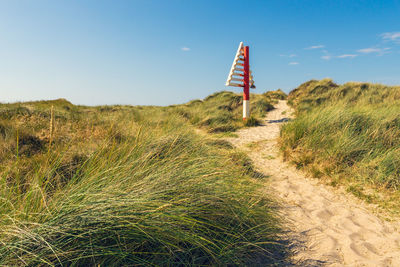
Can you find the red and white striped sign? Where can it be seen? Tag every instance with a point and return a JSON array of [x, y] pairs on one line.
[[241, 76]]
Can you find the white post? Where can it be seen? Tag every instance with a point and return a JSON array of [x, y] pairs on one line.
[[246, 109]]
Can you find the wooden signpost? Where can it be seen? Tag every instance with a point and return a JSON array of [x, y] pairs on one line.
[[240, 76]]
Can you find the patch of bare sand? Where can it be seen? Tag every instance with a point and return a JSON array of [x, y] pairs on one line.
[[328, 226]]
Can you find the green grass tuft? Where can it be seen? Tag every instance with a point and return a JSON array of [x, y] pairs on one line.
[[251, 122]]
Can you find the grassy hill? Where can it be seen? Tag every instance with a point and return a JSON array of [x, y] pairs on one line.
[[349, 133], [123, 185], [222, 111]]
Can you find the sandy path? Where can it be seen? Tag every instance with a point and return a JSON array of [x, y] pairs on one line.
[[335, 228]]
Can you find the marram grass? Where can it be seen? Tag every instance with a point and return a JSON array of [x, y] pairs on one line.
[[126, 185], [349, 132]]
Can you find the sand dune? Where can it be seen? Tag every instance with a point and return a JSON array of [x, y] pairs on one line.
[[328, 227]]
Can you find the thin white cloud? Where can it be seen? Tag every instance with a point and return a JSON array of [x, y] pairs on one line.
[[291, 55], [185, 49], [379, 51], [391, 36], [369, 50], [294, 63], [314, 47], [347, 56], [372, 50], [326, 57]]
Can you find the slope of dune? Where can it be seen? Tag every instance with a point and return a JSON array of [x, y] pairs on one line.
[[328, 227]]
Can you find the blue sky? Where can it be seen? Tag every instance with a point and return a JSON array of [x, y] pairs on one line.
[[165, 52]]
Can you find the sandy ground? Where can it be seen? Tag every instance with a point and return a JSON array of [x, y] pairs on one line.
[[328, 227]]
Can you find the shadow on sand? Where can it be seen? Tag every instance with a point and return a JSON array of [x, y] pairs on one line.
[[279, 121]]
